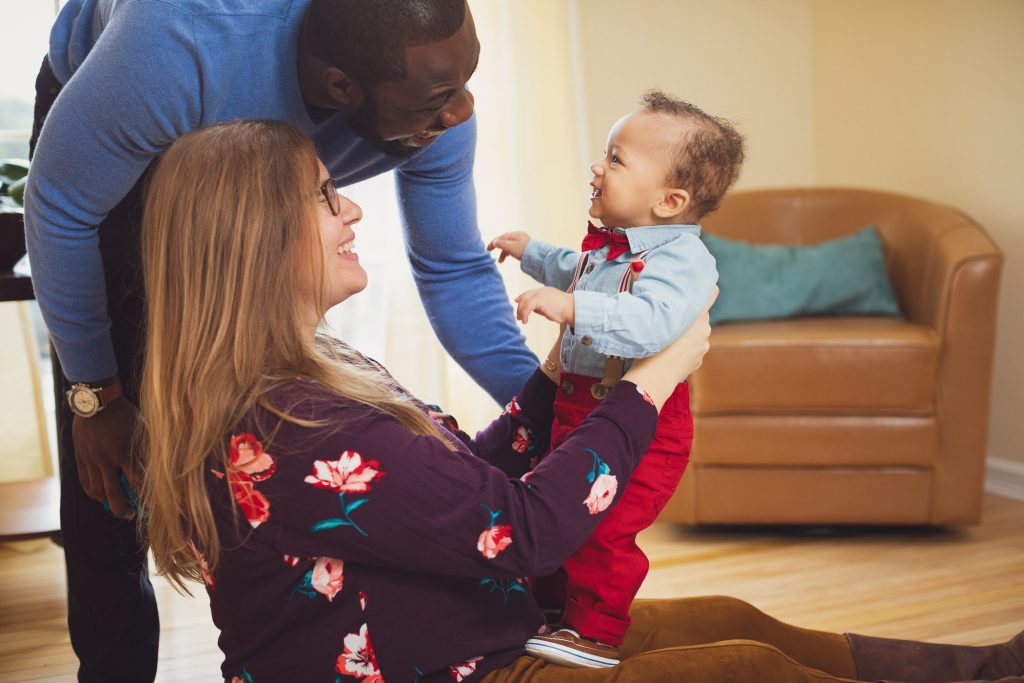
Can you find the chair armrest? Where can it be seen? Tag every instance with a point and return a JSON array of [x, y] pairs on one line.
[[949, 249], [960, 296]]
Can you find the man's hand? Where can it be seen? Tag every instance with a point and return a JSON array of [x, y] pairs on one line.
[[102, 452], [511, 244], [554, 304]]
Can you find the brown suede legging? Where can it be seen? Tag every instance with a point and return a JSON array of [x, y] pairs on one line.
[[704, 640]]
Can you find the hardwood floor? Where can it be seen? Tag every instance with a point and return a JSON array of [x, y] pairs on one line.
[[957, 585]]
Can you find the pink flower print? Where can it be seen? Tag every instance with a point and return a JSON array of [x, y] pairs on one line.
[[358, 659], [493, 540], [526, 476], [254, 504], [247, 463], [521, 444], [496, 537], [644, 394], [291, 560], [204, 568], [347, 474], [601, 494], [462, 669], [247, 456], [512, 408], [362, 601], [443, 419], [328, 577], [602, 485]]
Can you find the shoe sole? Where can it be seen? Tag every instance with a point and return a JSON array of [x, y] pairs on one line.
[[566, 656]]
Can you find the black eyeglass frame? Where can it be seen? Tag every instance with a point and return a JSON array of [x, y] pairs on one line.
[[329, 191]]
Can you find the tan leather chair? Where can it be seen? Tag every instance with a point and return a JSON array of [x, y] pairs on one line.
[[850, 420]]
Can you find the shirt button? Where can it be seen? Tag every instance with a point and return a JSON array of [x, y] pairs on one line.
[[590, 269], [567, 387], [586, 341], [565, 359]]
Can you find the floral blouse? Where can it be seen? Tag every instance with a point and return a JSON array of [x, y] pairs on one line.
[[359, 551]]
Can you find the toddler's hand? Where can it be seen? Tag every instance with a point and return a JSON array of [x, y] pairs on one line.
[[511, 244], [554, 304]]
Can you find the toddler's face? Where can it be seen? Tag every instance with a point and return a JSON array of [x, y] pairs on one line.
[[633, 174]]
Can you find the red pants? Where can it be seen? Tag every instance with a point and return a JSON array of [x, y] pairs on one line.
[[598, 582]]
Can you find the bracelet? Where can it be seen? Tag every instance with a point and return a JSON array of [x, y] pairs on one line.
[[550, 365]]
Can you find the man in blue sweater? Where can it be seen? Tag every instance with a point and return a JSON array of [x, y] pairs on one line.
[[379, 85]]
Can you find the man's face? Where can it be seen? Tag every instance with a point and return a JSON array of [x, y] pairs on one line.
[[400, 117]]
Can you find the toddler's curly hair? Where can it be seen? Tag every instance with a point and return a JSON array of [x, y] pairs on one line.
[[707, 159]]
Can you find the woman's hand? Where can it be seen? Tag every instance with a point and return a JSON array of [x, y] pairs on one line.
[[659, 374]]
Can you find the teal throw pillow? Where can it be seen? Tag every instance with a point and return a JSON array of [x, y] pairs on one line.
[[844, 276]]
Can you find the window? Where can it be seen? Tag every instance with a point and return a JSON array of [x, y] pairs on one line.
[[24, 31]]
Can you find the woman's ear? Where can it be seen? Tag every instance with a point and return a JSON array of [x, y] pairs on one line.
[[343, 90], [675, 202]]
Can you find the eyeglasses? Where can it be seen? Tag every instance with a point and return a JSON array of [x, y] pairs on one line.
[[330, 192]]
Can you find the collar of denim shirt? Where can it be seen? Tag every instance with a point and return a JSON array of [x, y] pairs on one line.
[[646, 237]]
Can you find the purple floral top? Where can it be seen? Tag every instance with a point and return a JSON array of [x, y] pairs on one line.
[[359, 551]]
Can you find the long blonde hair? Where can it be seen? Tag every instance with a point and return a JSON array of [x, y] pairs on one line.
[[229, 234]]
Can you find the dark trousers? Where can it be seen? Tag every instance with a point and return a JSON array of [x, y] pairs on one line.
[[112, 617]]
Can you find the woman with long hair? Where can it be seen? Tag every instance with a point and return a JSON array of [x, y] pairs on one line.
[[346, 531]]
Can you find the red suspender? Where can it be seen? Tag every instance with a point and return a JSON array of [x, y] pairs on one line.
[[613, 365], [580, 265], [626, 283]]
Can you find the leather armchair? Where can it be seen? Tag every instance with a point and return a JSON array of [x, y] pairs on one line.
[[850, 420]]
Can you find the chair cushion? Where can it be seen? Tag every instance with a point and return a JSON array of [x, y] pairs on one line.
[[844, 276], [843, 365]]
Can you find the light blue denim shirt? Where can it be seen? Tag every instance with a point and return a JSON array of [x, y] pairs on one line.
[[670, 293]]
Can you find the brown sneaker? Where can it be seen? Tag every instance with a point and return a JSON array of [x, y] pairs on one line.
[[569, 648]]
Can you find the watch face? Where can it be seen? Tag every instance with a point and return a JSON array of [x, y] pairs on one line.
[[84, 401]]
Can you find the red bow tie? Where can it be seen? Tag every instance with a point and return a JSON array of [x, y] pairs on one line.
[[599, 237]]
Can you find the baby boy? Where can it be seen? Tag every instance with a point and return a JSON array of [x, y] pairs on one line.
[[639, 282]]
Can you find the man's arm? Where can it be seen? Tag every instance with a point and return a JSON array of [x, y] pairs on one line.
[[458, 281], [131, 97]]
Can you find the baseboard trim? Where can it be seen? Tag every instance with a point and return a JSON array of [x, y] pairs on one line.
[[1004, 477]]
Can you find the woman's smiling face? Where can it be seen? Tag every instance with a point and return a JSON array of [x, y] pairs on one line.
[[343, 276]]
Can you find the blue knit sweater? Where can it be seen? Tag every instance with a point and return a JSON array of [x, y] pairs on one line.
[[138, 74]]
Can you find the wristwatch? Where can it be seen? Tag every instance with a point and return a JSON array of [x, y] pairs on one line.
[[86, 401]]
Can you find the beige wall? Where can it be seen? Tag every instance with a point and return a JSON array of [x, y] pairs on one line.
[[927, 97], [746, 60], [920, 96]]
